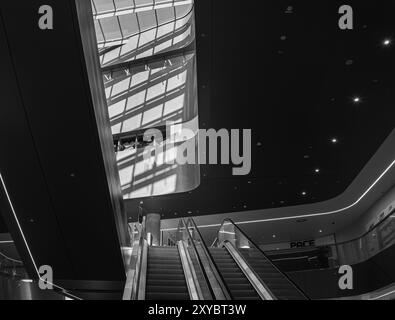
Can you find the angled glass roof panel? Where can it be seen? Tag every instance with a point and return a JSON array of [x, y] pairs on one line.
[[171, 34], [129, 24], [123, 4], [93, 8], [99, 33], [103, 5], [142, 96], [165, 15], [142, 3], [147, 20], [182, 10], [111, 28]]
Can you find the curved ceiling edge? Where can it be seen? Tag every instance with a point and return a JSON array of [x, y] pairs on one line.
[[381, 166]]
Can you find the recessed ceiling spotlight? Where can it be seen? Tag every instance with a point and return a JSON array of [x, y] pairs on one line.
[[357, 100], [304, 193], [274, 236], [334, 140], [317, 170], [387, 42], [320, 231], [289, 10]]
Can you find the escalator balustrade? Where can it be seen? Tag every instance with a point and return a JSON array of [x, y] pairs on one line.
[[234, 268]]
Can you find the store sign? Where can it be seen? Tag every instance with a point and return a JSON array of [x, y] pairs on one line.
[[302, 244]]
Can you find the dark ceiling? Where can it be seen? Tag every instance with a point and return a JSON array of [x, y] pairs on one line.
[[319, 100], [3, 227]]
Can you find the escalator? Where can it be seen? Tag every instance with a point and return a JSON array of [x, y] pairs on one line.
[[234, 268], [164, 272], [239, 286], [165, 275], [275, 281]]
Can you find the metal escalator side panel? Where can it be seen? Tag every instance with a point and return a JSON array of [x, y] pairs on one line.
[[262, 290], [202, 278], [142, 279], [213, 277], [135, 270], [217, 284], [131, 272], [195, 292]]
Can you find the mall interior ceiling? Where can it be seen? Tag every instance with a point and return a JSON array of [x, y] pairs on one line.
[[317, 99]]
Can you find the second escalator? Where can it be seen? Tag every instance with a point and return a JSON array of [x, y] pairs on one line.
[[239, 286]]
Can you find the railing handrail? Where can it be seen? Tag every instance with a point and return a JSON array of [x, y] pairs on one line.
[[197, 257], [222, 282], [7, 258], [136, 279], [365, 234], [263, 253]]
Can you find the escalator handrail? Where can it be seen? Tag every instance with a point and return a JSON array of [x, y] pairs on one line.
[[255, 280], [221, 280], [194, 290], [136, 279], [197, 257], [266, 257]]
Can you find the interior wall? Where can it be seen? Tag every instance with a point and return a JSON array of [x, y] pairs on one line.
[[376, 213]]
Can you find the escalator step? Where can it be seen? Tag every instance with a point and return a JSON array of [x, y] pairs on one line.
[[164, 256], [166, 296], [227, 267], [231, 281], [167, 289], [159, 276], [238, 287], [227, 261], [165, 275], [238, 275], [165, 266], [165, 282], [163, 271]]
